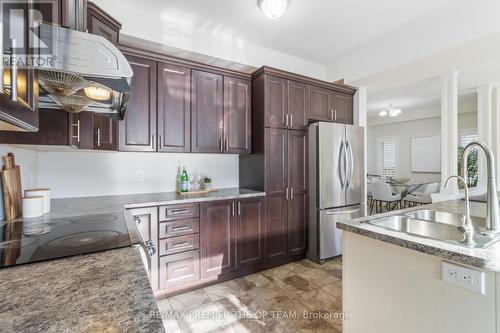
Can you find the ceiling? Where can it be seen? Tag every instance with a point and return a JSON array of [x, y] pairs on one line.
[[316, 30], [424, 94]]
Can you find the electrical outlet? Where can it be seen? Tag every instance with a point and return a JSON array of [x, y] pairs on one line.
[[139, 175], [464, 277]]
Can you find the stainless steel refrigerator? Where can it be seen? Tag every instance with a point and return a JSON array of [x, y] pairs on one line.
[[336, 185]]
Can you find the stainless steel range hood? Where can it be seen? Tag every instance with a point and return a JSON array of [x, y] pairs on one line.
[[87, 73]]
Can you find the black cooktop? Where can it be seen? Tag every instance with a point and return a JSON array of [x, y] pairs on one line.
[[28, 241]]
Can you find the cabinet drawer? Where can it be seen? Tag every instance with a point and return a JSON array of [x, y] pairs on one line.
[[179, 228], [179, 268], [179, 244], [179, 212]]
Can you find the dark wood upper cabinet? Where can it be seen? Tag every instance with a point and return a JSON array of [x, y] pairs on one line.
[[320, 103], [249, 232], [174, 108], [237, 115], [207, 112], [297, 105], [105, 133], [275, 101], [102, 24], [343, 107], [217, 238], [297, 184], [138, 130]]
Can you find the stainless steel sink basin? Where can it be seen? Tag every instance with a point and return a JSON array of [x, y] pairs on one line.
[[445, 217], [442, 226], [409, 225]]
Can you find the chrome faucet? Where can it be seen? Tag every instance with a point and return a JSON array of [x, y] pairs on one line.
[[492, 215], [468, 227]]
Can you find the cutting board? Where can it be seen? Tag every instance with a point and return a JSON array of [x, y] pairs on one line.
[[198, 192], [11, 186]]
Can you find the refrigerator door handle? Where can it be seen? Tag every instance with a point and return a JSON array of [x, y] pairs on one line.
[[343, 212], [341, 164], [350, 164]]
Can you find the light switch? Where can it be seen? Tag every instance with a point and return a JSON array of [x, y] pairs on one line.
[[139, 175]]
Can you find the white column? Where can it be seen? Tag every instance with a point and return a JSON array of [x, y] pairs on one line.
[[484, 127], [496, 128], [361, 119], [449, 130]]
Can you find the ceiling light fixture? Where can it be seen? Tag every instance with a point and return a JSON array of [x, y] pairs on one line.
[[391, 112], [273, 8]]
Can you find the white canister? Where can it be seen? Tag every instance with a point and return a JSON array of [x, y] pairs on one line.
[[32, 207], [44, 192]]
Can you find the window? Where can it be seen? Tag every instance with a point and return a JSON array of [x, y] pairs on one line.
[[465, 137], [388, 156]]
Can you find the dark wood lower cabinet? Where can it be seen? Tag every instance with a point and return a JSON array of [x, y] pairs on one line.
[[249, 232], [217, 238], [229, 239]]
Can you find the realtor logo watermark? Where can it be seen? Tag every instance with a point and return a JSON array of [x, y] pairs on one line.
[[25, 43]]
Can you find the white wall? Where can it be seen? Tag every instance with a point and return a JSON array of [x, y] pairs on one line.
[[93, 174], [405, 131], [179, 29]]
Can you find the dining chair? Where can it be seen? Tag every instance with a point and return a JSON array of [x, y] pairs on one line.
[[383, 198], [422, 197]]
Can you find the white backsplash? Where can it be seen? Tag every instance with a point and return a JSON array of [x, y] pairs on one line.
[[78, 174]]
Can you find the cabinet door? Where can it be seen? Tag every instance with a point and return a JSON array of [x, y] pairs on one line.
[[138, 129], [276, 102], [105, 136], [320, 103], [297, 183], [217, 238], [297, 105], [146, 221], [249, 230], [101, 24], [237, 112], [276, 187], [342, 108], [206, 112], [174, 108]]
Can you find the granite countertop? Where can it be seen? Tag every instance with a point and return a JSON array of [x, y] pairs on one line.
[[486, 258], [114, 203], [100, 292], [105, 291]]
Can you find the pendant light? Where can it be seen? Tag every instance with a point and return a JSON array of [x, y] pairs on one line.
[[273, 8]]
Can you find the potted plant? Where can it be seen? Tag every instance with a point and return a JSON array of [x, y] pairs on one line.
[[207, 183]]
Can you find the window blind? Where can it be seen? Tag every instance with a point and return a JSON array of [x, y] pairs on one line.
[[388, 162]]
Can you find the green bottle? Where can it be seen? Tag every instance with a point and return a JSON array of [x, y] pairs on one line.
[[184, 180]]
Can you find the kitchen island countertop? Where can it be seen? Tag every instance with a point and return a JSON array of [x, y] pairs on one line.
[[487, 258]]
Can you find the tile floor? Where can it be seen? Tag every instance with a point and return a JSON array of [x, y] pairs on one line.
[[297, 297]]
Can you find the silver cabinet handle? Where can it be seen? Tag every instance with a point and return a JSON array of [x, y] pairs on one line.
[[98, 137], [227, 144], [291, 120], [180, 244], [181, 228], [13, 71], [291, 193], [286, 120], [350, 164], [150, 246], [179, 211], [286, 193], [335, 115], [159, 142], [221, 144], [78, 131], [153, 142], [232, 208], [239, 207], [343, 212]]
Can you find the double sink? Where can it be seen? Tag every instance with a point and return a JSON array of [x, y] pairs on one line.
[[442, 226]]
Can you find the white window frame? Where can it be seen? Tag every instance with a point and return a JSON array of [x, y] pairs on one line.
[[467, 132], [380, 141]]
